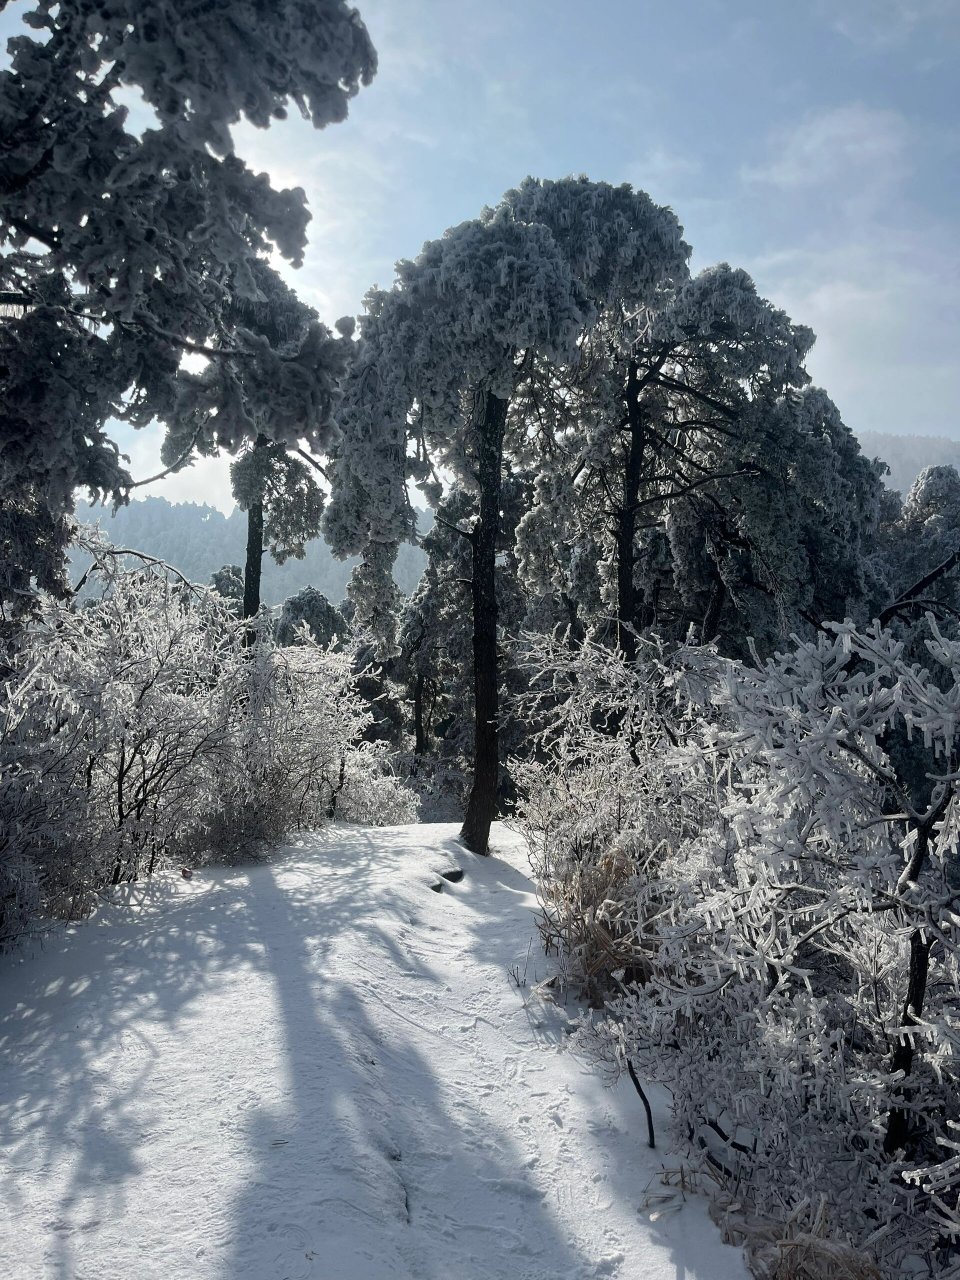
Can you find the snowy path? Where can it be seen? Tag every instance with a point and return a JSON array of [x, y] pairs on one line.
[[319, 1068]]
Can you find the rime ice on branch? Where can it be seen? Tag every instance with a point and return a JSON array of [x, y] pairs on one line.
[[126, 248]]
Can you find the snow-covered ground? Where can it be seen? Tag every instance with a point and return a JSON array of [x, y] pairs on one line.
[[320, 1068]]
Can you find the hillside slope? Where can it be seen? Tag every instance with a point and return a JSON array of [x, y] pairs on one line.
[[320, 1068], [199, 540]]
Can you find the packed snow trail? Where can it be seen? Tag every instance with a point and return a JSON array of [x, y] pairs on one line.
[[320, 1068]]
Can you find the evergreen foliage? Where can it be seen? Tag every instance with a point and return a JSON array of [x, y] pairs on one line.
[[437, 380], [127, 249], [310, 608]]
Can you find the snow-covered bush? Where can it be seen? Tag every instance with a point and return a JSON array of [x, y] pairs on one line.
[[611, 804], [23, 812], [788, 945], [112, 717], [145, 729], [300, 742], [296, 757]]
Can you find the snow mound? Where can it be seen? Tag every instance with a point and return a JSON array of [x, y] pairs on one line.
[[320, 1068]]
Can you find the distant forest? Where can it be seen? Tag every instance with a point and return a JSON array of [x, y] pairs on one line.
[[198, 540], [906, 456]]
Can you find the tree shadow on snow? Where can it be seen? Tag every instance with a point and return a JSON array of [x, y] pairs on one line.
[[323, 1140], [83, 1025], [371, 1162]]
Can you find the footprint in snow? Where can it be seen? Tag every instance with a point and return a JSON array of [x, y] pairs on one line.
[[610, 1265]]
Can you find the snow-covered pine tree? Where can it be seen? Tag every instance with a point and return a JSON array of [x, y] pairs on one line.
[[689, 476], [325, 624], [227, 581], [434, 636], [920, 544], [273, 481], [284, 506], [129, 244], [440, 360], [434, 641]]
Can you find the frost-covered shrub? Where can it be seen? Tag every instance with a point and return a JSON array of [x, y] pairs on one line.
[[297, 758], [318, 721], [789, 954], [610, 805], [145, 729], [111, 716]]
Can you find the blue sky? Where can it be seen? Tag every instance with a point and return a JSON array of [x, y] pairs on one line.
[[817, 144]]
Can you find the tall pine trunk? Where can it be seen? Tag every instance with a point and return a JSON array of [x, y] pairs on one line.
[[482, 804], [711, 619], [626, 523], [906, 1049], [898, 1121], [254, 562], [420, 732]]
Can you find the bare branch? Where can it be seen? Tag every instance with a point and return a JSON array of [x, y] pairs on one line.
[[308, 457], [464, 533], [174, 466], [918, 588]]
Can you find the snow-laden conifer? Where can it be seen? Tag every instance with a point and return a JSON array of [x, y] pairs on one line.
[[440, 359], [686, 473], [133, 237]]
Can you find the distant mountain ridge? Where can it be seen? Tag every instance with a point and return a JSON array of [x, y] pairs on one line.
[[906, 456], [197, 540]]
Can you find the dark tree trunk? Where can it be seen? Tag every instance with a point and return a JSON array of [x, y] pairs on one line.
[[482, 805], [898, 1122], [254, 563], [711, 619], [575, 633], [420, 743], [626, 523]]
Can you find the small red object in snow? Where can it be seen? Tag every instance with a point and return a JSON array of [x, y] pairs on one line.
[[186, 872]]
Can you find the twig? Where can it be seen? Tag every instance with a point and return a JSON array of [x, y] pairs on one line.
[[646, 1105]]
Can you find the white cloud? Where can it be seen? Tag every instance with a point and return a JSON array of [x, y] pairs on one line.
[[846, 144], [664, 174], [879, 24], [884, 311]]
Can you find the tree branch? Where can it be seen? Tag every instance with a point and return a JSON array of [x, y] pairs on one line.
[[174, 466], [646, 1105], [49, 238], [464, 533], [675, 385], [694, 484], [918, 588], [308, 457], [140, 555]]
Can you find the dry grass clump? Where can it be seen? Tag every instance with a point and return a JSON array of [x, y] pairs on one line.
[[586, 916], [788, 1251]]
